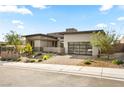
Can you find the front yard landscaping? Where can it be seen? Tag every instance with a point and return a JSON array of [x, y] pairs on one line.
[[25, 53], [49, 58], [102, 63], [25, 59]]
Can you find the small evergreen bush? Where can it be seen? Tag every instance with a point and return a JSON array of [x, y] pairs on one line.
[[46, 56], [19, 59], [117, 62], [39, 60], [87, 62], [32, 60]]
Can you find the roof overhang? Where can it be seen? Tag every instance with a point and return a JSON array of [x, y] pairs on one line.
[[39, 35], [84, 32]]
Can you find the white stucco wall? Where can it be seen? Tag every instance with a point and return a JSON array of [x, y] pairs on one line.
[[37, 43], [43, 43], [79, 38]]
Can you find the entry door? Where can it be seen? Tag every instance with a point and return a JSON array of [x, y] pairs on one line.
[[80, 48]]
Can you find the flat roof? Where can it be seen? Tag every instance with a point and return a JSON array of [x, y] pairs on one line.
[[78, 32], [39, 35], [63, 33]]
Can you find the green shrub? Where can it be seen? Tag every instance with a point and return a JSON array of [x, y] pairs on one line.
[[87, 62], [19, 59], [32, 60], [117, 62], [39, 60], [27, 49], [46, 56]]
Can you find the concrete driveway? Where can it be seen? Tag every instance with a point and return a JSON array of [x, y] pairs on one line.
[[12, 76]]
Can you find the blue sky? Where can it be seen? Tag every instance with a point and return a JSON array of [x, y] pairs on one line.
[[47, 19]]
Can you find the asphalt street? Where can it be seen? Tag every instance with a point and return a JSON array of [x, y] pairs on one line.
[[18, 77]]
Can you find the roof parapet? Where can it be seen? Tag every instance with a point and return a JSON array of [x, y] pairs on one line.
[[71, 30]]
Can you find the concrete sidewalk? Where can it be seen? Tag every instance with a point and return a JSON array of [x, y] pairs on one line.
[[100, 72]]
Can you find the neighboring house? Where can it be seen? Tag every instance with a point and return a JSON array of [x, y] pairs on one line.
[[122, 40], [2, 43], [70, 41], [119, 47]]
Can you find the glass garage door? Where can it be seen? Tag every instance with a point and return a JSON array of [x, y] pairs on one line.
[[80, 48]]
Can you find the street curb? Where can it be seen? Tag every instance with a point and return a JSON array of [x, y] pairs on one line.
[[62, 71]]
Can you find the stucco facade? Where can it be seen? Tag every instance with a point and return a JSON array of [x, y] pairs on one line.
[[39, 41], [79, 40]]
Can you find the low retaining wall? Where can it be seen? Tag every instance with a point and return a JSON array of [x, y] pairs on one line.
[[119, 56], [54, 50]]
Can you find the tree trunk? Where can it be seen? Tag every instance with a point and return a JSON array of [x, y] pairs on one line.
[[99, 53], [16, 49]]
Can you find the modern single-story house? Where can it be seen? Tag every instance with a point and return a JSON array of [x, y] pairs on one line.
[[70, 41]]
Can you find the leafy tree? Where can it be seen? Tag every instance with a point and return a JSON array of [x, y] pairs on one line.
[[12, 38], [104, 42]]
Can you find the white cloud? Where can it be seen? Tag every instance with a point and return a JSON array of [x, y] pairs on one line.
[[105, 7], [14, 9], [18, 24], [39, 6], [53, 20], [120, 18], [112, 23], [101, 25]]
